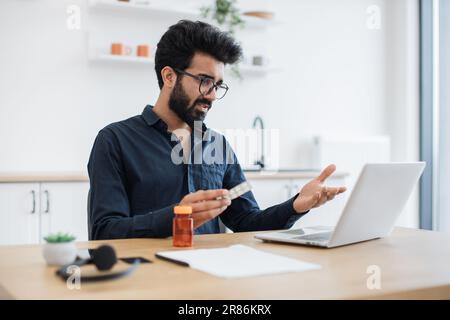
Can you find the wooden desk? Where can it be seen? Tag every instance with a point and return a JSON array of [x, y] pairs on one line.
[[414, 264]]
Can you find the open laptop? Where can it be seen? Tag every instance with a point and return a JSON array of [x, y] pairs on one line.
[[378, 198]]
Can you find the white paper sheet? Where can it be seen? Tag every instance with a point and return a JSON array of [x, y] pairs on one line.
[[237, 261]]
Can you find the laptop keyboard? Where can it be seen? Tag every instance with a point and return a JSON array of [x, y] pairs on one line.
[[320, 237]]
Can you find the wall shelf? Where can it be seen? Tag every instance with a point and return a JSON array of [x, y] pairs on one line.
[[122, 59], [119, 7], [245, 69], [104, 57], [249, 69]]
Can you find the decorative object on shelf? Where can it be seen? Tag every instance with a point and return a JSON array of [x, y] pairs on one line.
[[59, 249], [141, 2], [143, 50], [260, 60], [259, 14], [119, 49], [226, 14], [136, 2]]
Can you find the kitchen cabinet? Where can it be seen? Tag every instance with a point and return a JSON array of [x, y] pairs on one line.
[[30, 211], [19, 213], [64, 208]]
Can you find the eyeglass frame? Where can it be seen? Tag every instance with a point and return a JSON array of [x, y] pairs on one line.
[[201, 79]]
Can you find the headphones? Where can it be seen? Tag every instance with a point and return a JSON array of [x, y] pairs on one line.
[[104, 258]]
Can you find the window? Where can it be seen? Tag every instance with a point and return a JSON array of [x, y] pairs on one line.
[[435, 114]]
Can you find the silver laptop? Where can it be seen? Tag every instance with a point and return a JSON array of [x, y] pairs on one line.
[[378, 198]]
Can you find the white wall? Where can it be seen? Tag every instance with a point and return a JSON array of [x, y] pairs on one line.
[[53, 101], [339, 77], [333, 78]]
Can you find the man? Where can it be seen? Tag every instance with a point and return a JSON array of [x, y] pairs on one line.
[[140, 168]]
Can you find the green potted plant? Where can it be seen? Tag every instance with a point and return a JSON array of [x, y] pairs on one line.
[[226, 14], [59, 249]]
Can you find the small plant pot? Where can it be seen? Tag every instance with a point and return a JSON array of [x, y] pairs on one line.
[[60, 253]]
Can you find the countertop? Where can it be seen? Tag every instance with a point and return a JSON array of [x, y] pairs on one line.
[[80, 176]]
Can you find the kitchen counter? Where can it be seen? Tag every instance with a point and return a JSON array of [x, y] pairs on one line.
[[79, 176], [69, 176], [288, 174]]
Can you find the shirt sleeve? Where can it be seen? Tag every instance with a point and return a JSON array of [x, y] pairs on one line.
[[109, 210], [244, 213]]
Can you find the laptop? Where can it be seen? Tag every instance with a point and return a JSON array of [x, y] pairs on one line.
[[377, 199]]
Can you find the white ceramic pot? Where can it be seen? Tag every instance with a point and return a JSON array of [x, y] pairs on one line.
[[60, 253]]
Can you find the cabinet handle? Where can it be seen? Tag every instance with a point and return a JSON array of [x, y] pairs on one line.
[[47, 195], [34, 202]]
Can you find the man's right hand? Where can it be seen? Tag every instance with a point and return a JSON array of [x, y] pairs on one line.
[[204, 204]]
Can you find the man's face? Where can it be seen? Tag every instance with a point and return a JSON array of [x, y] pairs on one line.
[[185, 99]]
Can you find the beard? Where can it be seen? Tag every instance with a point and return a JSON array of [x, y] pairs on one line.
[[179, 104]]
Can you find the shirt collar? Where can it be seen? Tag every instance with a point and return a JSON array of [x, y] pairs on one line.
[[150, 117]]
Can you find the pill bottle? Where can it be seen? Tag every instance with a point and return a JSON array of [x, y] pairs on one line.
[[183, 226]]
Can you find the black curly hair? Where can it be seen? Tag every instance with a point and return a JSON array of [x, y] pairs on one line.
[[183, 39]]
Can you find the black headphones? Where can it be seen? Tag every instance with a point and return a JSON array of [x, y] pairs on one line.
[[104, 258]]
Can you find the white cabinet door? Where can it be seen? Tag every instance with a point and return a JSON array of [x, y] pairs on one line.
[[269, 192], [327, 214], [19, 213], [64, 208]]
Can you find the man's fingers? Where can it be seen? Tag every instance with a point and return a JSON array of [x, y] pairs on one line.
[[204, 216], [208, 214], [331, 195], [342, 189], [328, 171], [328, 194], [332, 191], [210, 204], [204, 195], [322, 199]]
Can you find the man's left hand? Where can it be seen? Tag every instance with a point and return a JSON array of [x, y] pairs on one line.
[[315, 193]]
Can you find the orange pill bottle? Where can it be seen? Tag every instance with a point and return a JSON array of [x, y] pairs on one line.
[[183, 226]]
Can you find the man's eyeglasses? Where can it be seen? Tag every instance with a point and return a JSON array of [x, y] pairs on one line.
[[207, 85]]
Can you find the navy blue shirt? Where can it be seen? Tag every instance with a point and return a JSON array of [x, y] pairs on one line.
[[136, 179]]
